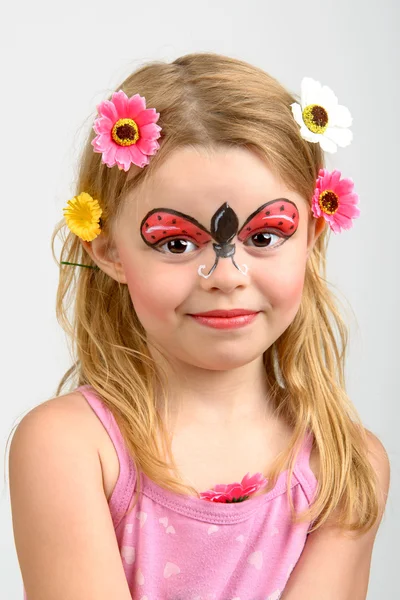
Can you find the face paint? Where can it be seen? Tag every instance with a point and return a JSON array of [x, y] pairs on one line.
[[281, 215], [164, 224]]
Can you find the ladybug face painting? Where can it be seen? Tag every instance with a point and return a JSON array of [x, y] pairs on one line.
[[161, 225]]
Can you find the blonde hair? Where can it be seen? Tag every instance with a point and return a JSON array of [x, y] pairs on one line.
[[207, 100]]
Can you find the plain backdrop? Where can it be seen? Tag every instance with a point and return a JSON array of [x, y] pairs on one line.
[[58, 60]]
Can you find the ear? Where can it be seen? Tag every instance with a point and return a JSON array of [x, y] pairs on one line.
[[106, 257], [315, 228]]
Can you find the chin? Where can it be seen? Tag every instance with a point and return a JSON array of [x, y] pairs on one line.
[[224, 361]]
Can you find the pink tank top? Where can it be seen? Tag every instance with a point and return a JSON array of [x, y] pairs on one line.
[[186, 548]]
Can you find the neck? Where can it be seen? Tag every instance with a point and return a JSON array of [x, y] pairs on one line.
[[215, 397]]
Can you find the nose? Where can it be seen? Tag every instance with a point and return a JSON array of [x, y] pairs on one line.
[[223, 272]]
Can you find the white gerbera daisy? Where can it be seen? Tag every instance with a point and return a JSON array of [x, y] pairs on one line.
[[322, 120]]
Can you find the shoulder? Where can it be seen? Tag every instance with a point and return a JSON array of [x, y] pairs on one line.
[[71, 402], [52, 437], [378, 458], [315, 574], [69, 415], [56, 481], [74, 420]]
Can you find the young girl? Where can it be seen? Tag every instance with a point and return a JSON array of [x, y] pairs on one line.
[[206, 448]]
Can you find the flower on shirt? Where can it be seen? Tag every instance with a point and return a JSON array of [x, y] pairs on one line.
[[235, 492]]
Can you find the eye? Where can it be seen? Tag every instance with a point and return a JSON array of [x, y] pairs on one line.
[[177, 246], [264, 239]]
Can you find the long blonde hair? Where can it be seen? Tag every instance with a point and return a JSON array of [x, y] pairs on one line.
[[205, 99]]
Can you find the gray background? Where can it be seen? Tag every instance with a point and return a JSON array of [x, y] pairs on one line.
[[59, 61]]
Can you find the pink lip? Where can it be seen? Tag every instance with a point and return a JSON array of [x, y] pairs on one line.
[[225, 322], [234, 312]]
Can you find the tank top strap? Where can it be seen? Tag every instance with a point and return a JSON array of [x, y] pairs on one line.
[[122, 493], [303, 469]]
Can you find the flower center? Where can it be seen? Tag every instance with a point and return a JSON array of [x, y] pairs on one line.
[[125, 132], [329, 202], [316, 118]]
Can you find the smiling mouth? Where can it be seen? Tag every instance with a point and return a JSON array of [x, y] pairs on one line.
[[234, 312], [231, 322]]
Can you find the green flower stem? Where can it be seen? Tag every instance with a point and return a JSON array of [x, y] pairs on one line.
[[78, 265]]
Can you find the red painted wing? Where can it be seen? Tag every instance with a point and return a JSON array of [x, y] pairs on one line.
[[160, 224], [279, 214]]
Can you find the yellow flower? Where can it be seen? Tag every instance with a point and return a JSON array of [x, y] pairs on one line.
[[82, 215]]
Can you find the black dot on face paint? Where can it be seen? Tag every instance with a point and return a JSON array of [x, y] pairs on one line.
[[174, 221], [198, 233], [248, 228], [291, 227], [282, 207], [164, 232], [280, 223], [147, 224], [154, 237], [268, 212], [159, 218], [184, 231], [293, 215]]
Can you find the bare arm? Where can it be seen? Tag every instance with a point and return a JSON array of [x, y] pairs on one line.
[[335, 566], [64, 536]]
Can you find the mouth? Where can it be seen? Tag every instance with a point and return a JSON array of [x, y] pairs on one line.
[[234, 312], [225, 322]]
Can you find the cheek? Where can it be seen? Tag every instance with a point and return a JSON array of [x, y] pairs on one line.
[[156, 290], [283, 284]]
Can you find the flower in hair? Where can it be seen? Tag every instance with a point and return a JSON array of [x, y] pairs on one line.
[[127, 131], [322, 120], [82, 215], [235, 492], [335, 200]]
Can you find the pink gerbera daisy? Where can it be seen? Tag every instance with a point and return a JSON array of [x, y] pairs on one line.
[[235, 492], [127, 131], [335, 200]]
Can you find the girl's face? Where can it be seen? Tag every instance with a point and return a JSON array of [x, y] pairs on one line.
[[162, 275]]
